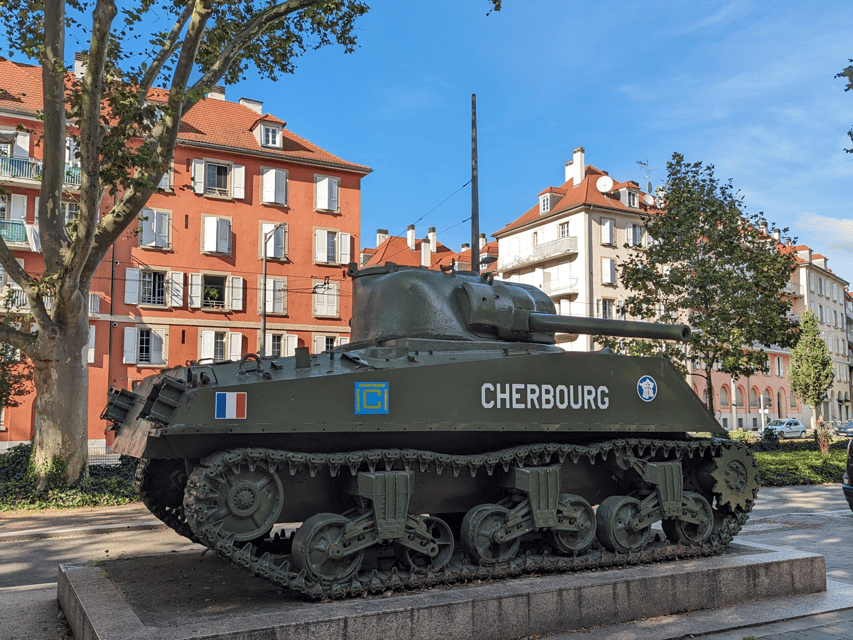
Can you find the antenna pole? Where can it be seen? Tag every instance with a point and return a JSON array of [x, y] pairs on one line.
[[475, 202]]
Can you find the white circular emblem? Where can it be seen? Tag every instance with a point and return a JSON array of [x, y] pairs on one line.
[[647, 388]]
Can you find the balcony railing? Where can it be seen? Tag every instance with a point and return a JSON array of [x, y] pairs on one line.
[[32, 169], [542, 252], [563, 287], [13, 231], [793, 289]]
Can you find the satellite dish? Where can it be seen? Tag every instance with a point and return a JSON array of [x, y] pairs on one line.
[[648, 186], [648, 199], [604, 184]]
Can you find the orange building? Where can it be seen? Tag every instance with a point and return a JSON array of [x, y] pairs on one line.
[[187, 283]]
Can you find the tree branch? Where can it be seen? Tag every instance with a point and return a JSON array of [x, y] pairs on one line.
[[169, 47], [26, 342]]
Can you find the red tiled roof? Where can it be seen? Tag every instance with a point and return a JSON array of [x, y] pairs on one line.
[[211, 121], [396, 249]]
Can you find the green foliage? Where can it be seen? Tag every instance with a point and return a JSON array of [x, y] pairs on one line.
[[711, 264], [103, 486], [801, 463], [810, 372], [769, 440], [847, 73], [747, 437]]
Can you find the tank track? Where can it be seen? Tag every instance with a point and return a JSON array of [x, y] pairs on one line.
[[171, 513], [734, 501]]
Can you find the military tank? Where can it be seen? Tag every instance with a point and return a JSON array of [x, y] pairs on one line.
[[451, 440]]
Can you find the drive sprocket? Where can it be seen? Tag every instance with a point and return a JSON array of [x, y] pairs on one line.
[[736, 478]]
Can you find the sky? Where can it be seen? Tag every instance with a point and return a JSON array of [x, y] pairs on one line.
[[746, 86]]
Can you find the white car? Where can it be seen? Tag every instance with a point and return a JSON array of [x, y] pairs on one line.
[[788, 428]]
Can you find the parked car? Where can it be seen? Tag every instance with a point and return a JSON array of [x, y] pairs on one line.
[[846, 429], [788, 428], [846, 487]]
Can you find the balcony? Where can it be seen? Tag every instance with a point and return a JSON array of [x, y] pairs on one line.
[[26, 170], [560, 288], [560, 248], [13, 231], [794, 290]]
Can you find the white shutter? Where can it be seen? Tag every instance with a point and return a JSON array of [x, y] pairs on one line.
[[344, 248], [319, 344], [266, 228], [269, 296], [333, 194], [629, 234], [207, 340], [280, 187], [223, 235], [210, 233], [161, 229], [280, 239], [343, 340], [148, 225], [195, 291], [238, 182], [198, 176], [130, 345], [235, 345], [607, 231], [332, 299], [320, 246], [158, 344], [36, 212], [236, 293], [131, 286], [166, 181], [322, 192], [18, 209], [94, 303], [292, 342], [22, 145], [90, 358], [280, 296], [267, 184], [268, 344], [176, 289]]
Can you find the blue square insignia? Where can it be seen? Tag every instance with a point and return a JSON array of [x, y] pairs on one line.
[[371, 398]]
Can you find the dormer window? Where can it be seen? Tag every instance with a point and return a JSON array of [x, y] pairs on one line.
[[271, 135], [544, 203], [632, 199]]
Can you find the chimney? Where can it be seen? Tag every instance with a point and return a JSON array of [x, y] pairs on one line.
[[777, 234], [433, 240], [575, 169], [217, 92], [410, 237], [465, 247], [381, 236], [255, 105], [426, 254], [805, 254], [788, 241], [482, 240], [81, 59]]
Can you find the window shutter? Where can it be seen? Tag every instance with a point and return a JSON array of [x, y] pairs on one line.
[[332, 298], [319, 344], [269, 296], [267, 184], [166, 180], [280, 296], [343, 340], [147, 235], [130, 345], [176, 289], [280, 187], [344, 248], [268, 344], [811, 282], [94, 303], [238, 181], [158, 344], [235, 345], [131, 286], [607, 231], [223, 235], [195, 291], [598, 308], [280, 238], [320, 246], [210, 229], [18, 209], [322, 193], [22, 145], [91, 348], [292, 343], [198, 176], [161, 229], [629, 234], [236, 293], [266, 232], [334, 188], [207, 340]]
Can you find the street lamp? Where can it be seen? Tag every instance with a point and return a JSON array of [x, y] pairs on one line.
[[267, 236]]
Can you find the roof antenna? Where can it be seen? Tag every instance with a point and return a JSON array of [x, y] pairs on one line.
[[475, 202], [646, 172]]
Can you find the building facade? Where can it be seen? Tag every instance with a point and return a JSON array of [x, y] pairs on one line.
[[187, 283]]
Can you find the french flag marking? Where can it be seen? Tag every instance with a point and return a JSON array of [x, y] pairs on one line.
[[230, 405]]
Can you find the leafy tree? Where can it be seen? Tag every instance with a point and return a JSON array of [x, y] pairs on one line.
[[125, 140], [16, 373], [710, 264], [847, 73], [810, 372]]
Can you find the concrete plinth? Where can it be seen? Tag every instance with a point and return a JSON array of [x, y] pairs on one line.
[[186, 596]]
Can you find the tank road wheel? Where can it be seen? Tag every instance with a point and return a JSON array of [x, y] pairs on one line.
[[478, 529], [248, 501], [734, 478], [614, 532], [311, 544], [443, 536], [575, 508], [691, 532]]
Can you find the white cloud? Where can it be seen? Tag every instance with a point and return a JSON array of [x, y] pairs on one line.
[[723, 14], [837, 233]]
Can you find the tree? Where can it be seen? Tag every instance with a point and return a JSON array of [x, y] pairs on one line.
[[847, 73], [810, 372], [710, 264]]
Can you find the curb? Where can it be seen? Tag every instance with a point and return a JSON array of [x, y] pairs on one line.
[[44, 534]]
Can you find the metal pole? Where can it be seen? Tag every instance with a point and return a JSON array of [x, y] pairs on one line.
[[263, 292], [475, 203]]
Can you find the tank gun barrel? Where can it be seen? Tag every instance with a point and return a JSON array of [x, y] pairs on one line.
[[600, 327]]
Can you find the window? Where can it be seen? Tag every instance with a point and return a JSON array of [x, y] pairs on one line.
[[607, 227], [544, 203], [270, 135], [326, 295], [811, 282], [273, 186], [632, 199], [144, 345], [275, 298], [724, 397], [331, 247], [779, 368], [634, 235], [212, 291], [753, 398], [535, 238], [565, 230], [218, 346], [13, 207], [155, 227], [281, 344], [219, 179], [70, 212], [328, 342], [217, 235], [150, 286], [326, 191], [608, 271], [276, 242], [606, 308]]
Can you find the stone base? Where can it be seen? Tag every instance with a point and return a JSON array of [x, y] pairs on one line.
[[183, 596]]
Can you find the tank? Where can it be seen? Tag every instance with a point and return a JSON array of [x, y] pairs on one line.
[[451, 440]]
